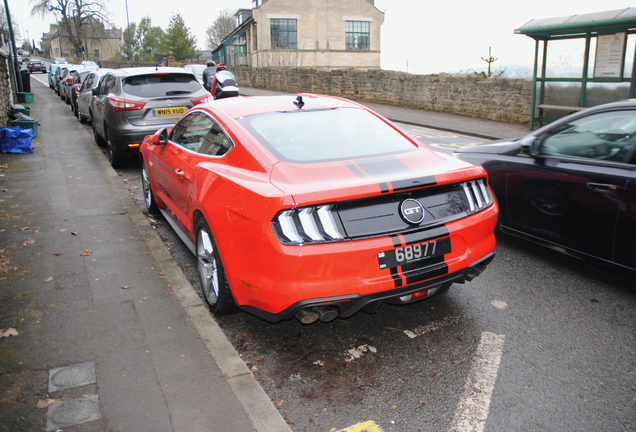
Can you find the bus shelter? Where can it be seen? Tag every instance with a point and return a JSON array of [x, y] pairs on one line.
[[581, 61]]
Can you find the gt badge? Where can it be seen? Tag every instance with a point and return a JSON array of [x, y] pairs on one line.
[[412, 211]]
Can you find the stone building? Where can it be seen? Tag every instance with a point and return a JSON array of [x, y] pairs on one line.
[[319, 34], [99, 42]]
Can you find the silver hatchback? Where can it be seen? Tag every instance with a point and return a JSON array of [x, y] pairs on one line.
[[130, 103]]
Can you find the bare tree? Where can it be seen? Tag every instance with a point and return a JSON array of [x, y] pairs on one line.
[[75, 15], [222, 26]]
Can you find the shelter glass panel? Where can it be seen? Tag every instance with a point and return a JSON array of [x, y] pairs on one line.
[[599, 93], [565, 58], [629, 55]]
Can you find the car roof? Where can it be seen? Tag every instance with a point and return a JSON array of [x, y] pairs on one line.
[[238, 107], [146, 70]]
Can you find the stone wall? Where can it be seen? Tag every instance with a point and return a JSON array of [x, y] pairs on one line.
[[6, 89], [500, 99]]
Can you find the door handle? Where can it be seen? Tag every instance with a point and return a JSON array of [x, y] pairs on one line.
[[602, 186]]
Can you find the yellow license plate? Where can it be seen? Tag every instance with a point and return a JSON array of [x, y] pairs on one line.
[[158, 112]]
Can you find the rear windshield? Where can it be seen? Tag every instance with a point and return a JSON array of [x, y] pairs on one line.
[[323, 135], [156, 85]]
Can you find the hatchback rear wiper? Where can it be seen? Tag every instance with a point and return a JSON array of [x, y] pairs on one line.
[[174, 92]]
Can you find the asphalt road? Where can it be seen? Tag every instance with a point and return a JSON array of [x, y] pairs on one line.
[[540, 341]]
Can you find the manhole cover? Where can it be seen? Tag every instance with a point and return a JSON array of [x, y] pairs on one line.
[[71, 376], [73, 412]]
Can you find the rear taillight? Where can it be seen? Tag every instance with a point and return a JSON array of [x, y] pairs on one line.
[[306, 225], [124, 105], [203, 99]]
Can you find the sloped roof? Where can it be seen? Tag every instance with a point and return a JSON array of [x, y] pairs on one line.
[[598, 22]]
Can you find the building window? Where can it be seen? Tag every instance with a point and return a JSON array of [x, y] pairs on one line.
[[283, 33], [96, 53], [357, 36]]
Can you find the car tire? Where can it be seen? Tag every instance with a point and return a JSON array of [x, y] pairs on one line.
[[98, 139], [149, 196], [67, 100], [80, 117], [214, 284], [113, 154]]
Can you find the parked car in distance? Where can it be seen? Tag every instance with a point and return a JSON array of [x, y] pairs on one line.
[[197, 70], [59, 71], [85, 95], [60, 60], [66, 81], [315, 207], [76, 85], [571, 185], [36, 66], [131, 103]]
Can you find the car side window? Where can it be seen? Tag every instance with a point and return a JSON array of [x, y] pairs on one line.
[[88, 82], [192, 131], [217, 143], [607, 136], [110, 84]]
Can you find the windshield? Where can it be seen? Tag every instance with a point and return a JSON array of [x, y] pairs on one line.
[[198, 69], [323, 135], [156, 85]]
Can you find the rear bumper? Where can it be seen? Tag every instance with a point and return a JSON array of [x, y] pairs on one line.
[[348, 305]]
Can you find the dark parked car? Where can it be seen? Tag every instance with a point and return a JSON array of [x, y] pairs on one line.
[[134, 102], [85, 95], [76, 85], [68, 79], [36, 66], [571, 185]]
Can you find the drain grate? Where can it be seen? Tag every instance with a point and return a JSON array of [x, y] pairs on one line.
[[72, 376], [73, 412]]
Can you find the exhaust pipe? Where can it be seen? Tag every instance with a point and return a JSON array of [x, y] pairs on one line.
[[307, 316], [322, 313], [326, 313]]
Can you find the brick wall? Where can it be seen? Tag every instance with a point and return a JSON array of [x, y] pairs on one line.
[[499, 99]]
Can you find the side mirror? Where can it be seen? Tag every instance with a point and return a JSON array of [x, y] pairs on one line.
[[530, 145], [95, 91], [161, 137]]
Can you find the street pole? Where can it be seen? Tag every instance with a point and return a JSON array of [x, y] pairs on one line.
[[129, 37], [16, 67]]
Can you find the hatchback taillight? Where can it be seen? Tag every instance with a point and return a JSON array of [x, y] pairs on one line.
[[203, 99], [124, 105]]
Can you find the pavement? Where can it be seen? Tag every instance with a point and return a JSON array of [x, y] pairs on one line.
[[101, 328]]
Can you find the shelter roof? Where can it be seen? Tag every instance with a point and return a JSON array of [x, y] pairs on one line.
[[597, 22]]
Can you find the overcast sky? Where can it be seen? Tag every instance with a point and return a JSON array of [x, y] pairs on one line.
[[428, 37]]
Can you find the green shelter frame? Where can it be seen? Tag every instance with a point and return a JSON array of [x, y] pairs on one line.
[[609, 65]]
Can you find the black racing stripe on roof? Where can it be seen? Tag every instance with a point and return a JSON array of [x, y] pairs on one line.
[[385, 169], [384, 188]]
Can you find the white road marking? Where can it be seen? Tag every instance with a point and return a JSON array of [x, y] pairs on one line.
[[436, 325], [472, 410]]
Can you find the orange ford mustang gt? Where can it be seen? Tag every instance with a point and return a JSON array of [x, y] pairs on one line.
[[315, 207]]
